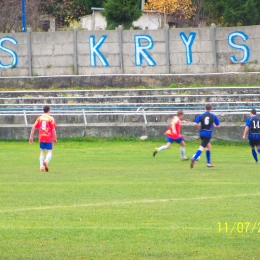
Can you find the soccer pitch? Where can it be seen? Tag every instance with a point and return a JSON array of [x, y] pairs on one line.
[[113, 200]]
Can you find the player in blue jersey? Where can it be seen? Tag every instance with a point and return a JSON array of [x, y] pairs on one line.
[[208, 121], [253, 129]]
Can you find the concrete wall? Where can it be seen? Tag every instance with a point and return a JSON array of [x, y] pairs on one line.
[[127, 81], [189, 51], [228, 132]]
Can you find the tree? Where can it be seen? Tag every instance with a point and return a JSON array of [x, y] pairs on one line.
[[199, 16], [11, 15], [121, 12], [89, 3], [233, 12], [181, 9], [9, 19]]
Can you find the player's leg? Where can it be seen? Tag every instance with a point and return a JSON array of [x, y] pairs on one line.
[[163, 147], [48, 156], [41, 158], [258, 147], [254, 154], [208, 157], [204, 143], [196, 156], [182, 149], [252, 144]]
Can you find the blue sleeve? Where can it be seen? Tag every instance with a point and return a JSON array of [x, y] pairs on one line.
[[248, 121], [197, 119], [216, 121]]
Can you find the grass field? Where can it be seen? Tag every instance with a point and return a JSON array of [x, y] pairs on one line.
[[107, 199]]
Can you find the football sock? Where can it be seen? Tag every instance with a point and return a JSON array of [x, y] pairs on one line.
[[254, 155], [182, 152], [197, 154], [163, 147], [48, 157], [41, 161], [258, 150], [208, 156]]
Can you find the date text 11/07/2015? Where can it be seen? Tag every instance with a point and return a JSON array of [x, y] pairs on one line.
[[239, 227]]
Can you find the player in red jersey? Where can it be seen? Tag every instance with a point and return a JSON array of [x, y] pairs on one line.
[[173, 134], [47, 135]]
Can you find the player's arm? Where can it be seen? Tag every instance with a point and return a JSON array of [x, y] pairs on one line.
[[54, 136], [196, 122], [216, 122], [245, 132], [31, 135], [197, 126]]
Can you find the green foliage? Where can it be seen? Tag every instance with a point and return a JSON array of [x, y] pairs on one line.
[[122, 12], [89, 3], [111, 25], [233, 12], [66, 11]]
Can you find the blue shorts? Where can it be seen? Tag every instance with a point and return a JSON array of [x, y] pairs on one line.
[[254, 143], [179, 140], [46, 146]]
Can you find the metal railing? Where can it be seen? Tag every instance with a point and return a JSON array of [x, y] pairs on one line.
[[140, 111]]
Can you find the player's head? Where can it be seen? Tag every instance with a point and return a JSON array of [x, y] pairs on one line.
[[208, 107], [179, 113], [253, 112], [46, 109]]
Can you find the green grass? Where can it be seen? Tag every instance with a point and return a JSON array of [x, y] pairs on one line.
[[110, 199]]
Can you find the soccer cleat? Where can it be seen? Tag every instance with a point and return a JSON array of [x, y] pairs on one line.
[[46, 167], [42, 170], [185, 158], [210, 165], [192, 163], [155, 152]]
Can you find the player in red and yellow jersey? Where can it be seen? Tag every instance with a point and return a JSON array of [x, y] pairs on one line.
[[173, 134], [47, 135]]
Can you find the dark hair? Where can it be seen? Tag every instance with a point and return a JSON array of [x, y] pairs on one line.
[[208, 106], [46, 109], [253, 111], [179, 113]]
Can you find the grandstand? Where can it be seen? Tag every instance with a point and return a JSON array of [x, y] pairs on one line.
[[130, 108]]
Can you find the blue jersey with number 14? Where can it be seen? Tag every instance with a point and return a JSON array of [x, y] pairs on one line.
[[207, 121], [253, 124]]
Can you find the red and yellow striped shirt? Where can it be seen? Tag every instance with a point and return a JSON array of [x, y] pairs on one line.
[[175, 128], [46, 124]]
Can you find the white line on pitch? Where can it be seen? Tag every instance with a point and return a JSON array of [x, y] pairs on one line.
[[124, 203]]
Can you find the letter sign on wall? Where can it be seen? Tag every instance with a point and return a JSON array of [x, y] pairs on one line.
[[12, 53], [141, 50], [242, 47], [95, 52], [188, 41]]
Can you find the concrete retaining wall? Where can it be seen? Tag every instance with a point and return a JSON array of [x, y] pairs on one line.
[[127, 81], [230, 132], [165, 51]]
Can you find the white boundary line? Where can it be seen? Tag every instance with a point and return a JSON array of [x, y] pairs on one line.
[[124, 203]]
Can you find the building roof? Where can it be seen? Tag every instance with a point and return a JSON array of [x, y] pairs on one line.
[[97, 9]]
